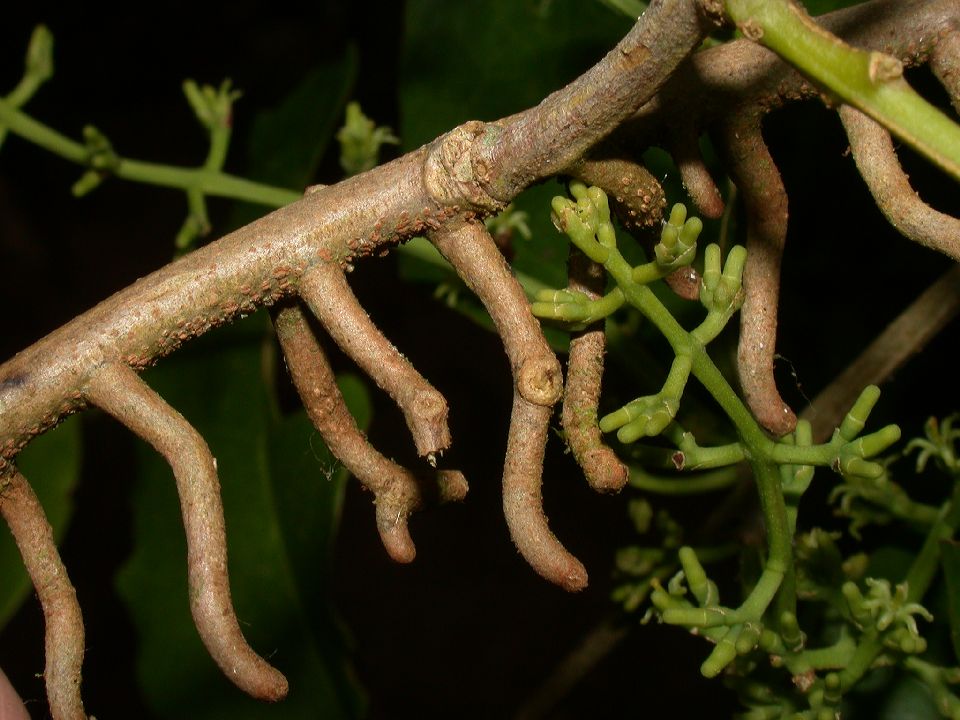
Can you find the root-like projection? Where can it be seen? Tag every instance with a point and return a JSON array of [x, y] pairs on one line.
[[119, 391], [601, 466], [61, 612], [703, 191], [759, 181], [396, 491], [325, 290], [877, 162], [635, 195], [537, 386], [945, 63]]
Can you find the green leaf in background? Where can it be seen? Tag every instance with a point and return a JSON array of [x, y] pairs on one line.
[[491, 40], [51, 464], [288, 142], [908, 699], [282, 494], [630, 8], [950, 560], [495, 43]]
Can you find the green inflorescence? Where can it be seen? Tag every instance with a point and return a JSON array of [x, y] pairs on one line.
[[808, 610], [360, 140]]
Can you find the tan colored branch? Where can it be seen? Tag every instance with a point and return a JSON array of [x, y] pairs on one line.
[[537, 386], [61, 612], [945, 63], [397, 493], [758, 179], [545, 140], [685, 149], [581, 395], [252, 267], [877, 162], [325, 290], [635, 195], [119, 391], [471, 171]]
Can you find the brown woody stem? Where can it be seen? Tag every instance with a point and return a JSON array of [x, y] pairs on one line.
[[61, 613], [877, 162], [685, 148], [397, 492], [326, 291], [537, 386], [581, 394], [543, 141], [945, 63], [635, 195], [758, 179], [119, 391]]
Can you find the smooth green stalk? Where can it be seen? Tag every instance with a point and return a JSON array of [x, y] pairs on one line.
[[927, 563], [38, 68], [694, 457], [210, 183], [193, 181], [834, 657], [707, 482], [862, 658], [587, 225], [777, 466], [870, 81]]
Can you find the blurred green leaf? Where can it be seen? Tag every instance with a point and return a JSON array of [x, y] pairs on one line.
[[631, 8], [908, 699], [495, 43], [288, 142], [282, 494], [51, 464]]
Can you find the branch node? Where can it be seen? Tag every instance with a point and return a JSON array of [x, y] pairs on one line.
[[540, 380], [451, 173], [473, 253]]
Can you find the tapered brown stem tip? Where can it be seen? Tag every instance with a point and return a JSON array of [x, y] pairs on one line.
[[452, 485], [392, 525], [604, 470]]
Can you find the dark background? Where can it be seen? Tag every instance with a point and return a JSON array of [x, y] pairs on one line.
[[467, 630]]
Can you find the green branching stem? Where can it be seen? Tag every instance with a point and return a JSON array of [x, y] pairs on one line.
[[870, 81], [197, 182], [664, 485], [926, 564], [209, 182], [782, 469], [38, 68], [757, 446]]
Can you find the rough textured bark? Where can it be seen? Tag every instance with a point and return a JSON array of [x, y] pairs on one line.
[[652, 88]]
